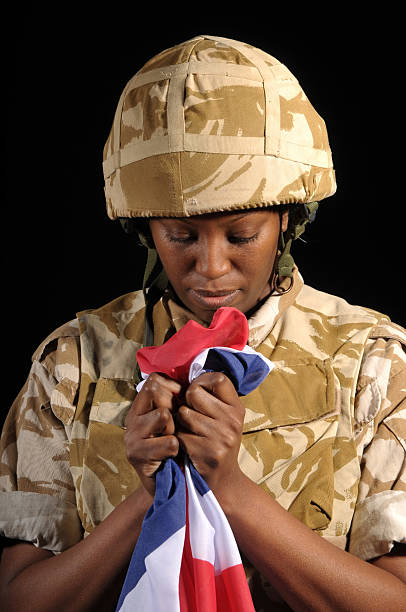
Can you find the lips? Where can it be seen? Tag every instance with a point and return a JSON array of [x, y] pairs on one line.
[[213, 299]]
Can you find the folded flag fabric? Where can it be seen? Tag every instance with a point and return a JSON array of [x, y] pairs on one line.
[[229, 327], [246, 368], [186, 558], [195, 349], [218, 579], [152, 581]]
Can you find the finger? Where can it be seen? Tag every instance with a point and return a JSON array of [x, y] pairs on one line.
[[212, 394], [144, 451], [225, 416], [157, 422], [157, 391], [172, 385], [198, 451], [194, 422], [200, 400], [160, 400], [212, 432], [191, 444], [218, 385]]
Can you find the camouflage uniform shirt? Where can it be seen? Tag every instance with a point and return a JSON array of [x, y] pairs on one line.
[[324, 434]]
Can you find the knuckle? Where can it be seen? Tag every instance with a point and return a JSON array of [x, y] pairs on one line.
[[152, 383], [152, 386], [236, 423], [172, 445], [192, 393], [218, 378], [154, 377], [163, 415], [183, 412], [229, 439]]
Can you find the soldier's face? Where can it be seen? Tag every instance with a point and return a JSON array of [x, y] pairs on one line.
[[222, 259]]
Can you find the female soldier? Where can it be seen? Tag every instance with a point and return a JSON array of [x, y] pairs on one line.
[[217, 144]]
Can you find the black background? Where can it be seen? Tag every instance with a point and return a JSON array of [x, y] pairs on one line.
[[65, 68]]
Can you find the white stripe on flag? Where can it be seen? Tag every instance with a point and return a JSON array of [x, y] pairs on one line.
[[211, 537], [158, 587]]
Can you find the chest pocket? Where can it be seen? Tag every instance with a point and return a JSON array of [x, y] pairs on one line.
[[289, 439], [108, 478]]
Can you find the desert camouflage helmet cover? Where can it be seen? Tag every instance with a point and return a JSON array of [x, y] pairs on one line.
[[214, 124]]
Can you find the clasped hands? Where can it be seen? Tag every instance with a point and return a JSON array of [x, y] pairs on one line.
[[204, 420]]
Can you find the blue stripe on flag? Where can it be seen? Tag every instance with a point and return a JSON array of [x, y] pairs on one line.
[[166, 516], [246, 371]]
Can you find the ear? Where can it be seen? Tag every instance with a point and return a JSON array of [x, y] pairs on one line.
[[284, 221]]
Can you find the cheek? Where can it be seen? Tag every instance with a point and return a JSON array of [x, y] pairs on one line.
[[175, 264], [168, 254], [259, 264]]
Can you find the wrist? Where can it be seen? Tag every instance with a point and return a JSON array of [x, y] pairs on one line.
[[229, 494], [141, 498]]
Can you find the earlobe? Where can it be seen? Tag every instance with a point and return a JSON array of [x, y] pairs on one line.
[[284, 221]]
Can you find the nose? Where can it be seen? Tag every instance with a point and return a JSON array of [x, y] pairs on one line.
[[212, 260]]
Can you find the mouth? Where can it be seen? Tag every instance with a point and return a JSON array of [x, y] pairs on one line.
[[213, 299]]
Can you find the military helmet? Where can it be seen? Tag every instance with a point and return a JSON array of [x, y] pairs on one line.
[[213, 125]]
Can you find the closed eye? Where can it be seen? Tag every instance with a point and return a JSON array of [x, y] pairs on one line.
[[237, 240], [181, 239], [242, 239]]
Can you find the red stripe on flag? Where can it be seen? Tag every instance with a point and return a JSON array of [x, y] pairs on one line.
[[233, 594], [197, 590], [229, 327], [201, 591]]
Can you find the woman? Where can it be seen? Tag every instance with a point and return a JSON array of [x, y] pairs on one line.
[[216, 143]]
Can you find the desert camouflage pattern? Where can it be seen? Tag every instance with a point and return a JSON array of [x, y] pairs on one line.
[[324, 434], [37, 494], [214, 124]]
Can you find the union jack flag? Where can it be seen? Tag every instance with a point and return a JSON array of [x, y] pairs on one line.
[[186, 558]]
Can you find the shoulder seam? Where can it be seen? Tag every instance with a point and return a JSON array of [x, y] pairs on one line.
[[389, 330], [69, 329]]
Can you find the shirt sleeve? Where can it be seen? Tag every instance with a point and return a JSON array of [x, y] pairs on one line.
[[37, 495], [380, 425]]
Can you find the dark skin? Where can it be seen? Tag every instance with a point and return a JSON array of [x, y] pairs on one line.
[[206, 421], [219, 260], [87, 576], [308, 572]]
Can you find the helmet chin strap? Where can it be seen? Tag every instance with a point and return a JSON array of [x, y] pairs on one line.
[[153, 287], [155, 280], [154, 284]]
